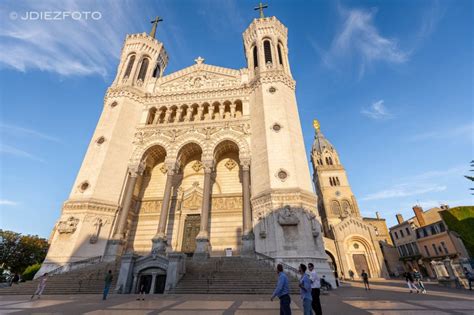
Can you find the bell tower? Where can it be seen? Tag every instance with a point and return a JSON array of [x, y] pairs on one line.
[[286, 223], [335, 198]]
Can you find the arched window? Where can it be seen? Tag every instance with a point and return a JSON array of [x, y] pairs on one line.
[[143, 69], [327, 161], [346, 207], [129, 67], [156, 72], [280, 56], [267, 50], [338, 182], [331, 182], [255, 57], [330, 161], [151, 116], [335, 208]]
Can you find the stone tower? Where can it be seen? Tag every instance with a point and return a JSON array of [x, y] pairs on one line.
[[335, 198], [94, 218], [285, 220], [351, 241]]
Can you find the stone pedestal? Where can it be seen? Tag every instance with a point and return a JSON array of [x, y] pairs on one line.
[[202, 249], [248, 245], [124, 283], [159, 245], [176, 269], [113, 250]]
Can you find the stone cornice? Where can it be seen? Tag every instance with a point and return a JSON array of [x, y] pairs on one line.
[[89, 204]]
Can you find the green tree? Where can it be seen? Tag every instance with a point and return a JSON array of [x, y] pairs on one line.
[[20, 251], [471, 178]]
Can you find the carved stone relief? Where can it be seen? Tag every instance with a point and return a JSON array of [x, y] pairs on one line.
[[287, 216], [68, 226]]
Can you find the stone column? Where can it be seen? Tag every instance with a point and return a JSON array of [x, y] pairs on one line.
[[199, 113], [232, 110], [160, 239], [211, 111], [221, 111], [248, 238], [202, 240], [153, 283], [127, 201], [115, 244], [134, 283], [179, 113], [167, 116]]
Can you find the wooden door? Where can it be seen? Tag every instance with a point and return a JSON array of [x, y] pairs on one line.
[[360, 263], [191, 230]]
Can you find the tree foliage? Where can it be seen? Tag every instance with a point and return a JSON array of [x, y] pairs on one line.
[[19, 251], [471, 178]]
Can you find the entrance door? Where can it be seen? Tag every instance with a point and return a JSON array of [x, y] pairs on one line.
[[145, 281], [160, 284], [191, 230], [360, 263]]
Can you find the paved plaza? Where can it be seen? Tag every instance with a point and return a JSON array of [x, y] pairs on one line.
[[389, 297]]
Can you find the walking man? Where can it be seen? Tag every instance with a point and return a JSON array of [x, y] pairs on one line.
[[469, 277], [351, 274], [365, 279], [315, 290], [108, 282], [410, 282], [282, 290], [418, 280], [41, 286], [305, 290]]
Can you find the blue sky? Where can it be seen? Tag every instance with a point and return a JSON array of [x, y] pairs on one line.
[[390, 81]]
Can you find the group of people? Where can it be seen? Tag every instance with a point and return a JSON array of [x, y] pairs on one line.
[[310, 290], [414, 281]]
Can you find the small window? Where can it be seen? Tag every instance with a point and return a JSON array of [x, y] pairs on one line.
[[396, 235], [267, 51], [255, 57], [157, 71], [280, 58], [444, 247], [143, 69], [276, 127], [442, 228], [427, 251], [83, 187], [100, 140], [401, 233], [113, 104], [282, 175], [435, 249], [338, 182], [408, 231], [129, 67]]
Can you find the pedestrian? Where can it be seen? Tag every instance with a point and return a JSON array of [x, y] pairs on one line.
[[365, 278], [282, 290], [469, 277], [108, 282], [15, 279], [419, 280], [142, 291], [305, 290], [410, 282], [41, 286], [315, 290], [351, 274]]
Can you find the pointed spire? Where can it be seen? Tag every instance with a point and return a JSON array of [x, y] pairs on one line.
[[320, 142]]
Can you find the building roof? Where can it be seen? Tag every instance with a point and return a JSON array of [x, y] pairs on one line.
[[320, 142]]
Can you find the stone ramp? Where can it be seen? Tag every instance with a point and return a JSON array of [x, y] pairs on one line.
[[88, 280], [230, 275]]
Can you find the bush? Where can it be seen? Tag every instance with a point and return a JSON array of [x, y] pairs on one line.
[[30, 272], [461, 220]]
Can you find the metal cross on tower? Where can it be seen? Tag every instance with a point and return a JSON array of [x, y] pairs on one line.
[[260, 7], [155, 24]]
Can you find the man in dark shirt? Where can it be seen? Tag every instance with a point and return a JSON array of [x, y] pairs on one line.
[[365, 278], [108, 282], [282, 290]]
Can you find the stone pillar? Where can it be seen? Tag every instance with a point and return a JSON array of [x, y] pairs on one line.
[[115, 244], [221, 111], [167, 116], [160, 239], [248, 238], [157, 117], [134, 283], [199, 113], [124, 281], [232, 110], [153, 282], [189, 114], [211, 111], [179, 113], [202, 240]]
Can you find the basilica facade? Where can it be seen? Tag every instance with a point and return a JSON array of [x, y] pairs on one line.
[[200, 162]]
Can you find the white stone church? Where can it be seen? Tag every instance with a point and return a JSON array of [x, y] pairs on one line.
[[205, 162]]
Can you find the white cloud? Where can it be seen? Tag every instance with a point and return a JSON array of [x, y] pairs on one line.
[[7, 128], [360, 37], [446, 132], [68, 46], [377, 111], [404, 190], [6, 202], [7, 149]]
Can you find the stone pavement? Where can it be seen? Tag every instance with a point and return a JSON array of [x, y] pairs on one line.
[[388, 297]]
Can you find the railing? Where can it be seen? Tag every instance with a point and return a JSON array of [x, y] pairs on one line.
[[75, 265], [272, 261]]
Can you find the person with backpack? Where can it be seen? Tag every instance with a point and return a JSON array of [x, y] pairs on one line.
[[419, 280], [411, 282]]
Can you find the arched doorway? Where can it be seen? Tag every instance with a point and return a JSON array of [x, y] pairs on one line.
[[152, 280], [332, 264], [358, 253]]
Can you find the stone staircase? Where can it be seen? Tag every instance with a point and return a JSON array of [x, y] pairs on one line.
[[88, 280], [230, 275]]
